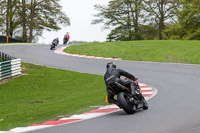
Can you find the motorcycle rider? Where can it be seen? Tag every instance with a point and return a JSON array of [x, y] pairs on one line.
[[113, 75], [56, 40], [66, 38]]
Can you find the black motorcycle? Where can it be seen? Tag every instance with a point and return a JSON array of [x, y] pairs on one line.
[[54, 44], [128, 102], [65, 40]]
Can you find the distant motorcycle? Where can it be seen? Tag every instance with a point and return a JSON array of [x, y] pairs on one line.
[[65, 40], [54, 44], [127, 101]]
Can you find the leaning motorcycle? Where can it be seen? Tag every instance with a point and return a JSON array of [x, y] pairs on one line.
[[65, 40], [128, 102], [53, 45]]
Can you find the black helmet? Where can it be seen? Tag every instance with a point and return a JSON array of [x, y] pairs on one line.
[[111, 65]]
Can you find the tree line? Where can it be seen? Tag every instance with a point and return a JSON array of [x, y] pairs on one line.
[[27, 19], [150, 19]]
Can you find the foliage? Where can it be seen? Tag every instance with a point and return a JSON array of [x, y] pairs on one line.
[[26, 19], [123, 17], [173, 31], [2, 16], [188, 27], [129, 19], [160, 11], [149, 32]]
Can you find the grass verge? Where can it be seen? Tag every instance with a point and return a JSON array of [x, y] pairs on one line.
[[43, 94], [176, 51]]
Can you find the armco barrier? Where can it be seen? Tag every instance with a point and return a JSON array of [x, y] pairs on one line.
[[9, 66]]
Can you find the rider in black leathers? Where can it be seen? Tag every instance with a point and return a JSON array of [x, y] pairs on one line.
[[112, 75], [56, 40]]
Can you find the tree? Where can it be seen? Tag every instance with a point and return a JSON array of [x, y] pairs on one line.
[[119, 34], [149, 32], [45, 15], [2, 15], [161, 11], [26, 19], [14, 18], [23, 14], [188, 25], [10, 17], [7, 18], [189, 18], [123, 17]]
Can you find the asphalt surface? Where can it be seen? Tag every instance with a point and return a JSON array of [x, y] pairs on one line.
[[175, 109]]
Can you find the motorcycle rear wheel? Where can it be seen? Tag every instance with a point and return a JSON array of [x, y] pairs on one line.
[[124, 102]]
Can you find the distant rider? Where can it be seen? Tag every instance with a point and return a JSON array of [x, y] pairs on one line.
[[66, 38], [113, 75], [56, 40]]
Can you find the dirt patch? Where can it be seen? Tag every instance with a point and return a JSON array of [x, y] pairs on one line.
[[34, 102], [14, 77], [8, 79]]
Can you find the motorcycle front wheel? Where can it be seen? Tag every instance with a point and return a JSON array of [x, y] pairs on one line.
[[125, 103], [145, 105]]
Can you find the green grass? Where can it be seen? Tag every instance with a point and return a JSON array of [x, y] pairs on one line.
[[43, 94], [158, 51]]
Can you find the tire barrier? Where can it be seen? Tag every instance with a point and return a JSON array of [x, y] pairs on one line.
[[10, 66]]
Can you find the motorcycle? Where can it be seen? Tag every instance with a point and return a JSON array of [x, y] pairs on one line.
[[54, 44], [128, 102], [65, 40]]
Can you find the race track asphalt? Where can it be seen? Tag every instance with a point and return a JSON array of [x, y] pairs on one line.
[[175, 109]]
